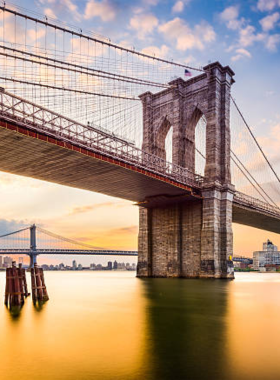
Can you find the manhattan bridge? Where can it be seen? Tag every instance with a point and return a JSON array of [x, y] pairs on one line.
[[81, 111]]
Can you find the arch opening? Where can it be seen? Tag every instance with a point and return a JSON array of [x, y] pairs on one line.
[[168, 145], [200, 145], [163, 141]]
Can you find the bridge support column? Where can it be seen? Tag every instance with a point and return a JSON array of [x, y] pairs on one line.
[[33, 259], [216, 234], [191, 239]]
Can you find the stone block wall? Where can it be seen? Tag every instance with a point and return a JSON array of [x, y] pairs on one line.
[[191, 239]]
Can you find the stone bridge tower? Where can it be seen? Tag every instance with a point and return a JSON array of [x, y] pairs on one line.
[[190, 238]]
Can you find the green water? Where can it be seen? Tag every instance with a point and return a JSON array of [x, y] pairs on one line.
[[111, 325]]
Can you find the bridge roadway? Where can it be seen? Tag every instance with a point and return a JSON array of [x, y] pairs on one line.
[[41, 144], [67, 252]]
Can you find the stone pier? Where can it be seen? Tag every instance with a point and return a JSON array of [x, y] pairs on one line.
[[190, 238]]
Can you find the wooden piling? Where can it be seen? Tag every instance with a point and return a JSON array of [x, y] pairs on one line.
[[14, 295], [39, 290], [22, 279], [44, 288]]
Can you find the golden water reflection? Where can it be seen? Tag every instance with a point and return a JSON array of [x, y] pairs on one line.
[[254, 326], [111, 325]]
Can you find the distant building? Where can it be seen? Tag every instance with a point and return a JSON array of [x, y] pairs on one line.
[[110, 265], [121, 266], [80, 267], [268, 258], [74, 264], [1, 261], [7, 262], [115, 265]]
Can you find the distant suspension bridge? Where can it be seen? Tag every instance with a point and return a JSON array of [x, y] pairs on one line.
[[34, 241]]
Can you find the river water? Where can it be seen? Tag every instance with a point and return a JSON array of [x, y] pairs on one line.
[[111, 325]]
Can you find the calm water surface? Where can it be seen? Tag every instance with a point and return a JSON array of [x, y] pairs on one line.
[[111, 325]]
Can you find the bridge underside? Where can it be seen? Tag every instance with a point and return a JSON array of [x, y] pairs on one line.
[[254, 218], [38, 156]]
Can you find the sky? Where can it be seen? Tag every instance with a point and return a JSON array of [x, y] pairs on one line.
[[242, 34]]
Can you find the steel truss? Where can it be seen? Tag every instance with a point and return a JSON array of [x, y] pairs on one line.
[[39, 119]]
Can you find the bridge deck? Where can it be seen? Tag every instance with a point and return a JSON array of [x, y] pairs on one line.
[[68, 252], [254, 217], [41, 157]]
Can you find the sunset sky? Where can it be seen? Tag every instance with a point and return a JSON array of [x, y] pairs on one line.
[[243, 35]]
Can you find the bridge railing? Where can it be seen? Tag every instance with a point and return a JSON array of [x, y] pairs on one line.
[[23, 112], [255, 203]]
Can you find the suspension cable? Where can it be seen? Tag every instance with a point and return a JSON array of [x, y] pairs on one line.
[[68, 89], [15, 232], [81, 35]]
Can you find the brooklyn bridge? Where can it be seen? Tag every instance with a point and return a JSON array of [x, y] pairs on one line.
[[78, 110]]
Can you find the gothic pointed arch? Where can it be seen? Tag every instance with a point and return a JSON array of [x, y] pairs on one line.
[[195, 140], [161, 132]]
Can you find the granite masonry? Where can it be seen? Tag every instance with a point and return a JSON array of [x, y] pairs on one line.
[[190, 238]]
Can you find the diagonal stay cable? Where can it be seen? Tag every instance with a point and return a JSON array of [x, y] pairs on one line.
[[249, 174], [258, 145], [242, 171]]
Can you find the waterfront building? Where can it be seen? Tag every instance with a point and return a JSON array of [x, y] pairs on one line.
[[110, 265], [74, 264], [267, 258], [1, 261], [115, 265]]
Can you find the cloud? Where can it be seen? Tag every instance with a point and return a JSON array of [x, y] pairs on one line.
[[268, 5], [178, 7], [62, 6], [103, 9], [36, 34], [154, 50], [269, 22], [144, 24], [271, 142], [7, 226], [230, 17], [124, 230], [272, 42], [185, 37], [87, 208], [247, 36], [151, 3], [241, 53], [50, 13]]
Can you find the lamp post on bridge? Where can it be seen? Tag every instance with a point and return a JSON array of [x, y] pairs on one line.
[[33, 254]]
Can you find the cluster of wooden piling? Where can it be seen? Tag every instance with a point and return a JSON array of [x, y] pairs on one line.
[[16, 286], [39, 290]]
